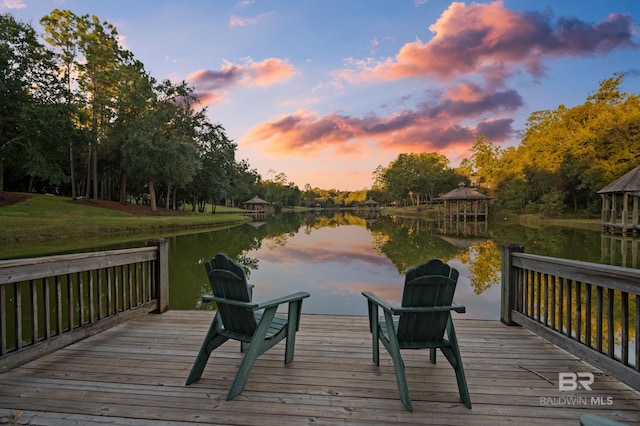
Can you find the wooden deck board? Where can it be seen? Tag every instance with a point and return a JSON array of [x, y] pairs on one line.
[[134, 374]]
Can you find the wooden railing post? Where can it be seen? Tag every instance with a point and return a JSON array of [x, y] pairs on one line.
[[509, 283], [162, 273]]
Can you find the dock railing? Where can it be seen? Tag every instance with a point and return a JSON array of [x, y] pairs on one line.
[[47, 303], [591, 310]]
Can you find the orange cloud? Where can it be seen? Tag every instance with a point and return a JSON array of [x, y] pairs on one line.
[[303, 132], [208, 83], [464, 92], [434, 125], [269, 71], [208, 98]]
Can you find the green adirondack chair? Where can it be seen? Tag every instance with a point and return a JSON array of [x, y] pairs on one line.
[[255, 325], [420, 323]]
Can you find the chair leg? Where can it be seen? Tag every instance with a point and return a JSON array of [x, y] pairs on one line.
[[256, 347], [432, 355], [375, 333], [403, 388], [452, 354], [376, 347], [211, 341], [293, 319], [398, 364]]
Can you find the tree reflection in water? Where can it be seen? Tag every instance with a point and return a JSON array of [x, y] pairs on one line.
[[334, 256], [337, 255]]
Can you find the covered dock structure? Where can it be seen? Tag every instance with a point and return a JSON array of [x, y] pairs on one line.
[[369, 205], [464, 204], [256, 204], [620, 200]]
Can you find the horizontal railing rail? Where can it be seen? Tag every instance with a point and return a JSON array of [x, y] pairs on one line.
[[49, 302], [591, 310]]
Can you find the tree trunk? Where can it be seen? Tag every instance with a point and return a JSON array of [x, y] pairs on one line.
[[87, 188], [74, 192], [167, 202], [123, 187], [72, 169], [94, 160], [152, 196], [94, 135], [1, 178]]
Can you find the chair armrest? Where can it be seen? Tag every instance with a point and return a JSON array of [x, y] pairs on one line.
[[454, 307], [256, 306], [396, 310], [284, 299], [225, 301], [461, 309], [373, 298]]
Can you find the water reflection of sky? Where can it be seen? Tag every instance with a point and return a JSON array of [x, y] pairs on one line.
[[335, 264]]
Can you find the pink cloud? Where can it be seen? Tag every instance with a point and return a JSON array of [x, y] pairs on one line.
[[464, 92], [13, 4], [209, 83], [269, 71], [236, 21], [493, 41], [434, 125], [305, 133], [209, 97]]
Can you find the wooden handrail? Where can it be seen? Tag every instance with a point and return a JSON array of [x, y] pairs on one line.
[[591, 310], [49, 302]]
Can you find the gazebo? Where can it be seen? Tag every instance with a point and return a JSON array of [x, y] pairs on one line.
[[369, 205], [464, 204], [256, 204], [620, 204]]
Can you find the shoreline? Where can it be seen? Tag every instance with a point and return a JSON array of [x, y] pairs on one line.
[[524, 219], [37, 218]]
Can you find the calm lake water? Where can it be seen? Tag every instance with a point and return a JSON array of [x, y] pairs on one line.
[[337, 255]]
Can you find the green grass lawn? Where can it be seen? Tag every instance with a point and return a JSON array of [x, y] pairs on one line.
[[47, 217]]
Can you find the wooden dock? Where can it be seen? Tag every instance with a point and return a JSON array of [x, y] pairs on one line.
[[134, 374]]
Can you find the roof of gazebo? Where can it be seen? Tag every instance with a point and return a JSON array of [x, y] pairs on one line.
[[256, 200], [370, 202], [629, 182], [462, 192]]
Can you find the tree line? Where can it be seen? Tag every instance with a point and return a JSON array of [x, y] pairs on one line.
[[80, 116]]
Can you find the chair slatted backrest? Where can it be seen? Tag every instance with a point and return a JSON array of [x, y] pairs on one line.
[[429, 284], [228, 280]]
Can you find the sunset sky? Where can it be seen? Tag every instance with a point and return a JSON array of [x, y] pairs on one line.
[[324, 91]]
